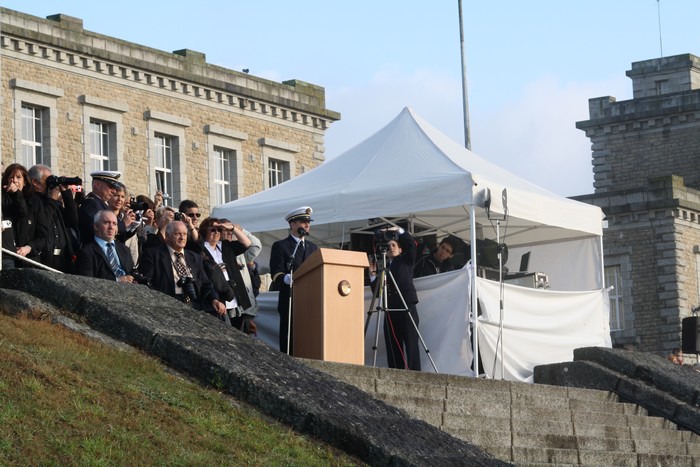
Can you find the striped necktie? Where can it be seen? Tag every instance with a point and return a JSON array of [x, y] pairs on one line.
[[113, 263]]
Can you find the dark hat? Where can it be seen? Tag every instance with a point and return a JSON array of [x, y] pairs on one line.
[[109, 176], [299, 214]]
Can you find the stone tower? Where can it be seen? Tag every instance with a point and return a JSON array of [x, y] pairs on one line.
[[646, 164]]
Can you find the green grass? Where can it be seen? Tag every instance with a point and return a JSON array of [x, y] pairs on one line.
[[65, 399]]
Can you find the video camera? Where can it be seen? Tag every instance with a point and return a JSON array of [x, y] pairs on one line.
[[383, 236], [52, 181]]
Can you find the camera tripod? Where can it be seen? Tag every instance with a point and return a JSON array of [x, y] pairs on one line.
[[381, 293]]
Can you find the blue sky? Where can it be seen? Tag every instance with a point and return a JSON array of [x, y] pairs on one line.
[[531, 66]]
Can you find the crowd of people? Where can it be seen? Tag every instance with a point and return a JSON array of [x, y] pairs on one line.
[[109, 234], [209, 264]]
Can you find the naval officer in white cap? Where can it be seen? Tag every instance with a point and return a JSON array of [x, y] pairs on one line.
[[103, 183], [282, 265]]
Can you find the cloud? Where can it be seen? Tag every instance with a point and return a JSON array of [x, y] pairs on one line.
[[533, 134]]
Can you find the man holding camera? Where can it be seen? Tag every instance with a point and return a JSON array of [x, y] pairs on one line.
[[61, 215], [286, 256], [400, 333], [188, 213], [179, 273], [105, 258]]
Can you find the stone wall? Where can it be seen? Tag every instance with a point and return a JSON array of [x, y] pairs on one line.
[[646, 154], [77, 75]]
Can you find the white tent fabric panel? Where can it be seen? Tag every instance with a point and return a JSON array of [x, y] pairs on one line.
[[444, 323], [539, 327], [580, 271]]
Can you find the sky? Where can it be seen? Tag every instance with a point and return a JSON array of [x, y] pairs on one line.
[[531, 66]]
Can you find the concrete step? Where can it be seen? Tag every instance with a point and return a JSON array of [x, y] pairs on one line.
[[530, 424]]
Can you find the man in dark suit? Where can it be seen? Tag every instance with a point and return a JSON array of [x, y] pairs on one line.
[[282, 256], [103, 257], [61, 218], [400, 335], [103, 184], [172, 269]]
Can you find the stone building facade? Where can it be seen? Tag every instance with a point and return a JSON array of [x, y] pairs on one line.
[[79, 101], [646, 164]]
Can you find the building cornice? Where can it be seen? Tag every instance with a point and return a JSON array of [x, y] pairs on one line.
[[63, 41]]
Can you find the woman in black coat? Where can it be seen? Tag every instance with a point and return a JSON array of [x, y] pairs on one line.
[[220, 261], [25, 211]]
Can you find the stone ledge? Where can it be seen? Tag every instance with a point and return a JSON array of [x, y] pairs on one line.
[[624, 375], [278, 385]]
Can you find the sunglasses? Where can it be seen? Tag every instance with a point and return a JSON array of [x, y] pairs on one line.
[[194, 214], [215, 229]]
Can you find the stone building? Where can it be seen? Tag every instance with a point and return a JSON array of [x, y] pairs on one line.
[[80, 101], [646, 164]]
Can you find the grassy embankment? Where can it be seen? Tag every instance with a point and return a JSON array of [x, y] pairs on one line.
[[65, 399]]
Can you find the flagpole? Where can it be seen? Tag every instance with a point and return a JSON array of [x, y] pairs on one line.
[[465, 103]]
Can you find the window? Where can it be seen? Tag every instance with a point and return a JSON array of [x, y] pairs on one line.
[[277, 172], [164, 166], [613, 278], [662, 87], [102, 145], [224, 163], [33, 121]]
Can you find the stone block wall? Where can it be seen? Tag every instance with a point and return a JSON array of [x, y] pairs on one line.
[[79, 74]]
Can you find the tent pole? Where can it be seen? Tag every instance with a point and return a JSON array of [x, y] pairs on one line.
[[474, 301]]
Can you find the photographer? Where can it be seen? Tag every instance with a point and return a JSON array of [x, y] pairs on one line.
[[188, 212], [400, 335], [126, 215], [61, 216]]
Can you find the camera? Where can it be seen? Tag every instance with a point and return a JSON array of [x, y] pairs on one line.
[[141, 279], [52, 181], [137, 206], [179, 216], [188, 291], [383, 236]]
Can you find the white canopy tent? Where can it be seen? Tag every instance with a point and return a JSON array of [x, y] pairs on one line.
[[410, 171]]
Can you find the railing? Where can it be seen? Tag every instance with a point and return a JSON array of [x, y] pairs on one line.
[[27, 260]]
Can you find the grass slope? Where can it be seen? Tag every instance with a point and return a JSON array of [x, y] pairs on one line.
[[65, 399]]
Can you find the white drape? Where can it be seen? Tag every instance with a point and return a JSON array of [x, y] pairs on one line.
[[540, 326]]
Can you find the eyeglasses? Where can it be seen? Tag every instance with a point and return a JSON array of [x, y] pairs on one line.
[[193, 215], [214, 230]]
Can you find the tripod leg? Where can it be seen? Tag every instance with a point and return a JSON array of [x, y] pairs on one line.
[[425, 347], [415, 326]]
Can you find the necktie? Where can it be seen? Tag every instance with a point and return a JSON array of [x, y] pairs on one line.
[[112, 257], [180, 265]]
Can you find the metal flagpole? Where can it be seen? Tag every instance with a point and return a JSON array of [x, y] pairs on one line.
[[465, 103]]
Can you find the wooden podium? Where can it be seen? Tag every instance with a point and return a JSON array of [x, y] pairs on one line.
[[328, 306]]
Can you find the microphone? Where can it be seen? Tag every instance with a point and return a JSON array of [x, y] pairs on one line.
[[302, 232]]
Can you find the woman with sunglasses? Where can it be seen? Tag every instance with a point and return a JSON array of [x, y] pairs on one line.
[[220, 259]]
